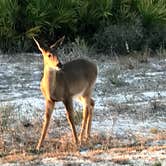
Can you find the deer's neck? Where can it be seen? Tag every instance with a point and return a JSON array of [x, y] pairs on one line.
[[49, 70], [50, 76], [49, 82]]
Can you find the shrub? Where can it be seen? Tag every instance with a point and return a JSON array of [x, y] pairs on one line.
[[52, 15], [8, 15], [153, 16], [152, 12], [124, 10], [119, 38], [6, 118], [155, 37], [92, 14], [20, 20]]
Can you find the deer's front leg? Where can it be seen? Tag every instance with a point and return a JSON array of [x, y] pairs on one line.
[[48, 112], [70, 117]]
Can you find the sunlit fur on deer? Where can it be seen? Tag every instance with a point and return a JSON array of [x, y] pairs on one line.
[[74, 79]]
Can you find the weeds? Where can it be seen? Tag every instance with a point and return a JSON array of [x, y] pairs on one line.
[[143, 58], [73, 50], [15, 135], [161, 52], [78, 117], [120, 38], [113, 77], [5, 116], [154, 130], [20, 129], [157, 164]]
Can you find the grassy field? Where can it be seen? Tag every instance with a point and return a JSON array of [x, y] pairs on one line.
[[128, 126]]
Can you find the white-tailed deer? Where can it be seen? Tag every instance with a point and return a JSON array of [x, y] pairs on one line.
[[62, 83]]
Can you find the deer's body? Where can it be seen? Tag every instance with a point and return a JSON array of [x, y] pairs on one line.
[[74, 79], [71, 81]]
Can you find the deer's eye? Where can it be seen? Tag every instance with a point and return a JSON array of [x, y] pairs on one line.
[[49, 55]]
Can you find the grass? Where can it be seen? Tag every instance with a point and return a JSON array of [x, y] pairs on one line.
[[157, 164], [113, 76], [161, 52], [5, 116], [73, 50], [18, 136], [21, 145], [92, 152], [154, 130], [78, 117], [15, 134]]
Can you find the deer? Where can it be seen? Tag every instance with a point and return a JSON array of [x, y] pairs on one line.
[[63, 83]]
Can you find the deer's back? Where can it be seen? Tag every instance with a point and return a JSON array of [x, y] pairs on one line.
[[80, 69], [79, 75]]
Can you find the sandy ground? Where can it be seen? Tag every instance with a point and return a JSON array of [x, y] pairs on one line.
[[129, 123]]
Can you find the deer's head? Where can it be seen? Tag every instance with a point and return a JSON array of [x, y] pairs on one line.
[[49, 56]]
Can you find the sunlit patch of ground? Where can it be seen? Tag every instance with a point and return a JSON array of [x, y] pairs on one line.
[[100, 150]]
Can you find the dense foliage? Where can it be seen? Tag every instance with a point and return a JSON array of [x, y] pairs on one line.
[[108, 25]]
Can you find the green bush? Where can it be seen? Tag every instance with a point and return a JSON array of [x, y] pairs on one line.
[[153, 16], [20, 20], [52, 15], [92, 14], [153, 12], [119, 38], [8, 15], [155, 37], [13, 25], [124, 11]]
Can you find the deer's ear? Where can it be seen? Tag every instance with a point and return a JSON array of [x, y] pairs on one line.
[[38, 45], [57, 43]]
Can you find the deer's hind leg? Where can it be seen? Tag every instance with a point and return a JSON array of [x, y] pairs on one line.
[[86, 102], [89, 119], [70, 117]]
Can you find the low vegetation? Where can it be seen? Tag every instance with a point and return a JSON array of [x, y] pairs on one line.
[[108, 26], [114, 140], [17, 143]]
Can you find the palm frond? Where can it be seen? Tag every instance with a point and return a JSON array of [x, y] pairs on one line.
[[33, 31], [8, 15], [152, 11]]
